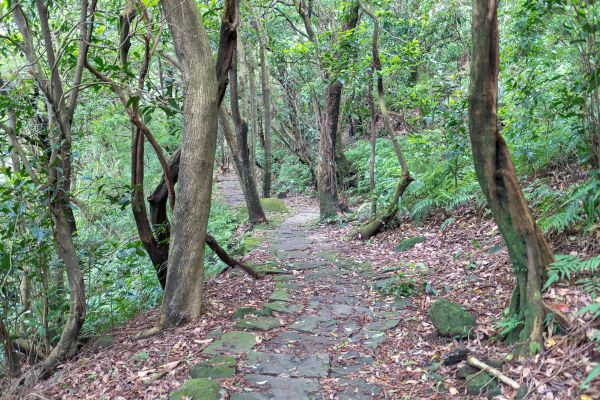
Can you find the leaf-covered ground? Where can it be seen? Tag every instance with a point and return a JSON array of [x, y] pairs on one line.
[[461, 259]]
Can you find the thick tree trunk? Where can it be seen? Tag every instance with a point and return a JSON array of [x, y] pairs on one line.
[[375, 225], [329, 204], [266, 97], [529, 251], [182, 300]]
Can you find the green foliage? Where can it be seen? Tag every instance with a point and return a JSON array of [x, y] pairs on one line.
[[565, 267]]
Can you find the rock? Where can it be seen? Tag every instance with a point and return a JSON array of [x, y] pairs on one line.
[[245, 311], [249, 396], [280, 294], [450, 319], [313, 323], [284, 307], [409, 243], [287, 388], [311, 366], [482, 382], [273, 205], [234, 342], [218, 367], [259, 323], [358, 389], [465, 371], [199, 389]]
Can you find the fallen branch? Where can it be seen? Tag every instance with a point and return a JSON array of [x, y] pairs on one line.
[[472, 361], [227, 259]]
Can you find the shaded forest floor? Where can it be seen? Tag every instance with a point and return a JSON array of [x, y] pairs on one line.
[[337, 322]]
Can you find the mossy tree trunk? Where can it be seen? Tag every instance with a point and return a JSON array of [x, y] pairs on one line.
[[376, 224], [528, 249]]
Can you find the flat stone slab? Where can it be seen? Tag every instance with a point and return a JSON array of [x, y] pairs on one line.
[[313, 323], [280, 388], [249, 396], [358, 389], [280, 294], [311, 366], [232, 342], [348, 363], [284, 307], [246, 311], [382, 325], [215, 368], [259, 323], [369, 338], [199, 389], [296, 341]]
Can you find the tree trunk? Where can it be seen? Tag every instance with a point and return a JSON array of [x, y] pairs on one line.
[[59, 166], [329, 204], [373, 149], [375, 225], [239, 150], [182, 300], [253, 116], [11, 358], [266, 96], [529, 251]]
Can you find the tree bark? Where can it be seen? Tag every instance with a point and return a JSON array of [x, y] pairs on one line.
[[11, 358], [375, 225], [182, 300], [266, 97], [329, 204], [59, 166], [528, 249], [373, 146]]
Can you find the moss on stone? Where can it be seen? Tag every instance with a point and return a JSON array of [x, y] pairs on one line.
[[199, 389], [217, 367], [450, 319], [409, 243], [273, 205], [482, 383]]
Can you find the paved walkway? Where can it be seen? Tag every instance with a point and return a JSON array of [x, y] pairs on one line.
[[321, 326]]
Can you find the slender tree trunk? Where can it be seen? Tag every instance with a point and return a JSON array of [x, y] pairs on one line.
[[528, 249], [256, 214], [253, 115], [182, 300], [266, 96], [375, 225], [59, 166], [373, 148]]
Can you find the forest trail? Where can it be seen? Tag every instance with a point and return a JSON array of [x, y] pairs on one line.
[[320, 328]]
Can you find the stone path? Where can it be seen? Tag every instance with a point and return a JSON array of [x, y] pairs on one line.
[[321, 326]]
